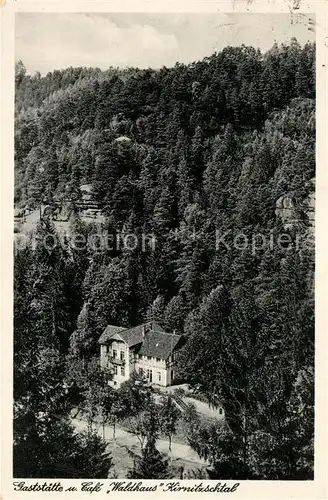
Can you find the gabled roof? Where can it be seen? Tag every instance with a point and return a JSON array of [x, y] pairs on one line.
[[159, 344], [109, 331], [131, 336]]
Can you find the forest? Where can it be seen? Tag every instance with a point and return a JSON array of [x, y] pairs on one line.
[[209, 148]]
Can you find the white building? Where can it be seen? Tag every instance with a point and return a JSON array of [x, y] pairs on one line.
[[146, 349]]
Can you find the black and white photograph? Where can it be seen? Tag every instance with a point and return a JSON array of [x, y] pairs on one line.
[[164, 246]]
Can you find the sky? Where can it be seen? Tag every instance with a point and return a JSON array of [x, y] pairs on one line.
[[48, 41]]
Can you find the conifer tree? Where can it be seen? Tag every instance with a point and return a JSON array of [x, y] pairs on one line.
[[152, 464]]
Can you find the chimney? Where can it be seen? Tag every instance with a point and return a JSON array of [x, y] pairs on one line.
[[143, 331]]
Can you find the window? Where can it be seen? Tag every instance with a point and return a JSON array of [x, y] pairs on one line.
[[114, 353], [141, 372], [149, 358], [122, 355], [123, 371], [159, 376], [137, 355], [220, 411], [158, 360], [149, 375], [115, 369]]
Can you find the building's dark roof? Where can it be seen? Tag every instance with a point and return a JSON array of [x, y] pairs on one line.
[[132, 336], [109, 331], [159, 344], [155, 342]]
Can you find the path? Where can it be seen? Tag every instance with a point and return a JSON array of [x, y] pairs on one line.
[[180, 454], [128, 439]]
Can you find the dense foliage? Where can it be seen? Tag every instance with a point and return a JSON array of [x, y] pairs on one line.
[[152, 464], [208, 148], [45, 443]]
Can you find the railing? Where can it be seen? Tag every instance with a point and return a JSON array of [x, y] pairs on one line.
[[116, 361], [182, 406]]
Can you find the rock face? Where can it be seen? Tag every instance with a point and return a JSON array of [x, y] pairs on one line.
[[285, 209], [309, 205], [59, 211], [122, 138], [289, 211], [87, 207], [86, 193]]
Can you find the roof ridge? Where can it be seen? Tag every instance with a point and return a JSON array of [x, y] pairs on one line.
[[133, 327], [117, 326]]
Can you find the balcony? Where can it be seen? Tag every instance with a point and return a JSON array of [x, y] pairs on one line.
[[116, 361]]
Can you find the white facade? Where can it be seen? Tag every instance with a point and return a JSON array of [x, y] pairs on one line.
[[122, 361], [154, 369]]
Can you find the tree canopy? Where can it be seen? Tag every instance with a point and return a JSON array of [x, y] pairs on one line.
[[202, 157]]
